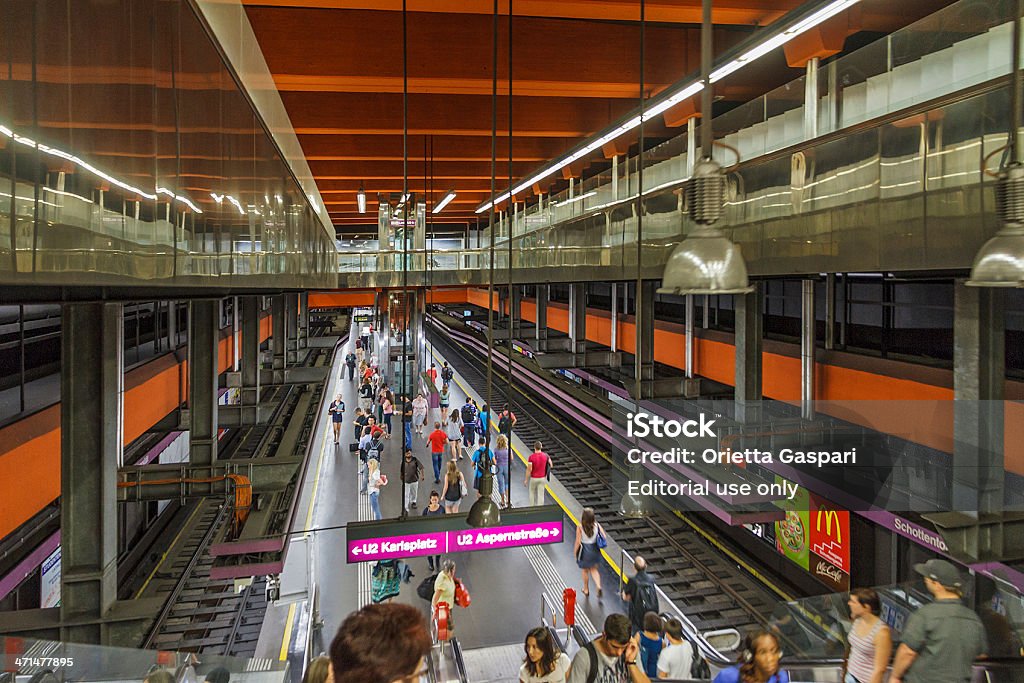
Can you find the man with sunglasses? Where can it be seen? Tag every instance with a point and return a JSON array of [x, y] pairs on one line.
[[611, 657]]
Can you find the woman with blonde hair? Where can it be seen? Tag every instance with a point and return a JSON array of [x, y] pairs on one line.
[[452, 492], [501, 456]]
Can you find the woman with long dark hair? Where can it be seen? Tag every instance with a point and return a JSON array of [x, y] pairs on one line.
[[543, 663], [586, 550], [758, 662], [869, 639]]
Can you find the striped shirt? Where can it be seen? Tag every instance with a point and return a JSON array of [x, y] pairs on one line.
[[861, 664]]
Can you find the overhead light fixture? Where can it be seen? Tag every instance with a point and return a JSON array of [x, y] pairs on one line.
[[683, 92], [1000, 261], [444, 202], [361, 199]]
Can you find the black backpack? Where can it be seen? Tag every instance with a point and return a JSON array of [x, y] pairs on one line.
[[447, 374], [426, 588], [373, 449], [468, 414], [699, 669], [505, 424], [645, 599]]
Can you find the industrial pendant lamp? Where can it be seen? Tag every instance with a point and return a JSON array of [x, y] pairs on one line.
[[1000, 261], [485, 512], [706, 262], [631, 506]]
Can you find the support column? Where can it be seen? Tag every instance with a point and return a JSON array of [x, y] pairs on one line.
[[749, 339], [578, 316], [688, 361], [203, 337], [516, 311], [979, 365], [250, 356], [172, 324], [615, 313], [807, 350], [541, 328], [811, 99], [277, 337], [303, 319], [91, 421], [830, 311], [291, 321], [645, 329]]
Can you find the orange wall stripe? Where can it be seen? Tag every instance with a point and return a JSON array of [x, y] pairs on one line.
[[33, 443]]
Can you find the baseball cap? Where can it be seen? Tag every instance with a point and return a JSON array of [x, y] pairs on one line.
[[941, 571]]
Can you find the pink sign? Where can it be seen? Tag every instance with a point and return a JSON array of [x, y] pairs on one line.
[[395, 547], [461, 541], [504, 536]]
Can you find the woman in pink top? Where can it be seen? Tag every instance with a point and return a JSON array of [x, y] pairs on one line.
[[537, 467], [869, 639]]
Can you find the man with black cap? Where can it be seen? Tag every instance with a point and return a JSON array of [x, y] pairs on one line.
[[942, 639]]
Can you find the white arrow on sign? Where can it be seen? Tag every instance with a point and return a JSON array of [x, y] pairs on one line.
[[356, 550], [554, 532]]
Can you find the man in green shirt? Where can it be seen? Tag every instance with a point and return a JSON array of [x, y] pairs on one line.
[[942, 639]]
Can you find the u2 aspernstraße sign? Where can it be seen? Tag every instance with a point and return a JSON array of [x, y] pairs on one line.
[[394, 539]]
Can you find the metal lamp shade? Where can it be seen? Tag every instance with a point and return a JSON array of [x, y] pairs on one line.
[[484, 512], [1000, 261], [706, 262], [632, 507]]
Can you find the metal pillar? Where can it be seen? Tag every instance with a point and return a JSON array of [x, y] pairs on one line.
[[979, 363], [516, 311], [541, 326], [749, 340], [689, 336], [578, 316], [250, 356], [172, 324], [645, 329], [811, 99], [615, 316], [830, 311], [291, 321], [277, 336], [807, 350], [203, 337], [615, 182], [91, 420], [303, 319]]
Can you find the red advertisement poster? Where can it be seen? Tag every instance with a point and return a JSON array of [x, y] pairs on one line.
[[829, 543]]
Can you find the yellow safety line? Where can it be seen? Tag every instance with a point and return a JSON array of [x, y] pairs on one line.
[[614, 565], [707, 537], [287, 633], [164, 556]]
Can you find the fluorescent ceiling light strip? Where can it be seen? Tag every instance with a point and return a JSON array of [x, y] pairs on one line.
[[444, 202], [576, 199], [29, 142], [687, 91]]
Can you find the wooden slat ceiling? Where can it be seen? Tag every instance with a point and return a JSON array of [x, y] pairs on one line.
[[575, 68]]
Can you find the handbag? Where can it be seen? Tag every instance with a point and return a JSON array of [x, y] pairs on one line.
[[602, 542], [462, 598], [462, 485]]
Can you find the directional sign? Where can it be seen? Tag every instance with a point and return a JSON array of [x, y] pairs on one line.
[[372, 541]]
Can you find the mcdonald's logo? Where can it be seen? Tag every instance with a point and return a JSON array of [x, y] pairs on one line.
[[830, 516]]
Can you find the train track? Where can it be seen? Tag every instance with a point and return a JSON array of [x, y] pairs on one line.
[[703, 582], [206, 615]]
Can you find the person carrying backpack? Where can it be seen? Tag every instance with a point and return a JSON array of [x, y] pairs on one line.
[[506, 422], [612, 657], [447, 374], [642, 595], [469, 416]]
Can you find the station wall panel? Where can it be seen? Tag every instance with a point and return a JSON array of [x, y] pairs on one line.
[[30, 463], [343, 299], [924, 414]]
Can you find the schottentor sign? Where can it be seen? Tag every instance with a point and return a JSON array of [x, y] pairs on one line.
[[415, 537]]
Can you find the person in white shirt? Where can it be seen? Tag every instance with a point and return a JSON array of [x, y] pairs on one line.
[[543, 663], [676, 659]]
